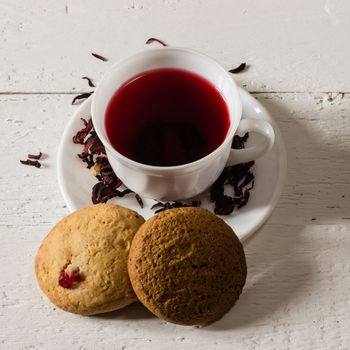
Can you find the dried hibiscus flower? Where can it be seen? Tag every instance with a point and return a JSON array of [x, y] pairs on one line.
[[139, 200], [94, 155], [160, 206], [89, 80], [83, 96], [96, 55], [31, 162], [238, 177], [101, 193], [81, 134], [153, 40], [238, 69], [35, 156]]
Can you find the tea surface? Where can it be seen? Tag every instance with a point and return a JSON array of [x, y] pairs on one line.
[[166, 117]]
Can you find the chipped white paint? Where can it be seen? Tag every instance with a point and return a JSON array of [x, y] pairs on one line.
[[297, 293]]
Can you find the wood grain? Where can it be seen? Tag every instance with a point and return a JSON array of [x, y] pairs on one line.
[[296, 295], [298, 56], [289, 45]]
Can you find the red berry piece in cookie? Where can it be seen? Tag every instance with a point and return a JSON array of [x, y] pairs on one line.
[[69, 279]]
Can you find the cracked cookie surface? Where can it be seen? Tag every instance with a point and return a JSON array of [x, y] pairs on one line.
[[187, 266]]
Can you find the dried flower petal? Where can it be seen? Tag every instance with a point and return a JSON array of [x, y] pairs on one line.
[[239, 177], [108, 176], [152, 40], [94, 155], [238, 69], [171, 205], [101, 193], [31, 162], [238, 141], [237, 172], [82, 97], [35, 156], [157, 205], [88, 159], [244, 199], [104, 59], [89, 80], [81, 134], [93, 144], [139, 200], [224, 205], [249, 177]]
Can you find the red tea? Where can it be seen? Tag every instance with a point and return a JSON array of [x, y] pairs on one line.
[[166, 117]]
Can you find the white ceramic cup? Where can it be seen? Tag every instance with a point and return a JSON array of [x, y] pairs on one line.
[[188, 180]]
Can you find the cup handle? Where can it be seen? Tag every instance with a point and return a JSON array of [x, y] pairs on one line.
[[247, 154]]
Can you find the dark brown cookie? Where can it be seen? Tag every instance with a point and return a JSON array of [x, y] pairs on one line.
[[187, 266]]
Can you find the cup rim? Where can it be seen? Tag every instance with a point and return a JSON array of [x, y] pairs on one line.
[[165, 169]]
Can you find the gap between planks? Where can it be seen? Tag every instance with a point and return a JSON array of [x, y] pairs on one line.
[[5, 93]]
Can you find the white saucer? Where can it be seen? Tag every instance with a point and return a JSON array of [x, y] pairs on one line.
[[76, 181]]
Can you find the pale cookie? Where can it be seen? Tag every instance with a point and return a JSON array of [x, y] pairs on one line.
[[187, 266], [82, 263]]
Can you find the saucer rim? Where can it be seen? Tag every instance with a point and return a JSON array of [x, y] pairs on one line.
[[246, 96]]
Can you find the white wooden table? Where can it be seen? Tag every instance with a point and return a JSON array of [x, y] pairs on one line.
[[297, 294]]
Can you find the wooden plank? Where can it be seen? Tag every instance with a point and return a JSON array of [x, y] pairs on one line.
[[316, 133], [296, 297], [46, 46], [297, 289]]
